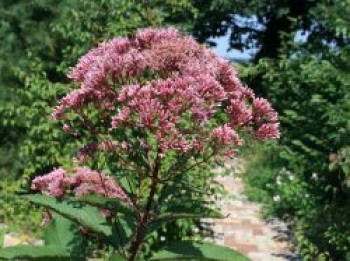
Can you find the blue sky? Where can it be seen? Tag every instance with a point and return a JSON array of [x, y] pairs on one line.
[[223, 45]]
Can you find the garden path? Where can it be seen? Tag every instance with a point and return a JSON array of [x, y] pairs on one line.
[[244, 229]]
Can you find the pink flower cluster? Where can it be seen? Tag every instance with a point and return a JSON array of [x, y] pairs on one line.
[[54, 183], [225, 135], [162, 104], [87, 181], [84, 181], [167, 84]]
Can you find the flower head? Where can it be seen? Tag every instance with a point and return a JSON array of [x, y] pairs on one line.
[[158, 91], [165, 78]]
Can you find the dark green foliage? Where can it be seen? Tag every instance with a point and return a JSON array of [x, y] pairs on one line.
[[317, 95]]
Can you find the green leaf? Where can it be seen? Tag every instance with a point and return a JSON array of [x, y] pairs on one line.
[[117, 257], [44, 253], [114, 204], [123, 229], [198, 209], [189, 250], [188, 210], [171, 216], [64, 233], [127, 185], [89, 217]]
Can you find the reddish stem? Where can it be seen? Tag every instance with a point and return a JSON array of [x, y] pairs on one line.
[[141, 230]]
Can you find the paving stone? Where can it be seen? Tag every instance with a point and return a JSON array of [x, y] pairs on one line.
[[244, 229]]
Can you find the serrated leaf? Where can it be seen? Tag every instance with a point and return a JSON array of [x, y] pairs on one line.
[[184, 210], [128, 187], [171, 216], [114, 204], [89, 217], [123, 228], [39, 253], [64, 233], [198, 208], [189, 250]]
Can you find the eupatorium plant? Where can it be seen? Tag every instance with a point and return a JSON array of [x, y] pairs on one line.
[[152, 107]]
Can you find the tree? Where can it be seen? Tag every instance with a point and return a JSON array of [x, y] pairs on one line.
[[269, 26]]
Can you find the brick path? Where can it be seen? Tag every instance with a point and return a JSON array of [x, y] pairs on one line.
[[244, 229]]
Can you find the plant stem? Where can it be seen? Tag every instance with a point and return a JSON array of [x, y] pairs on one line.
[[141, 230]]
